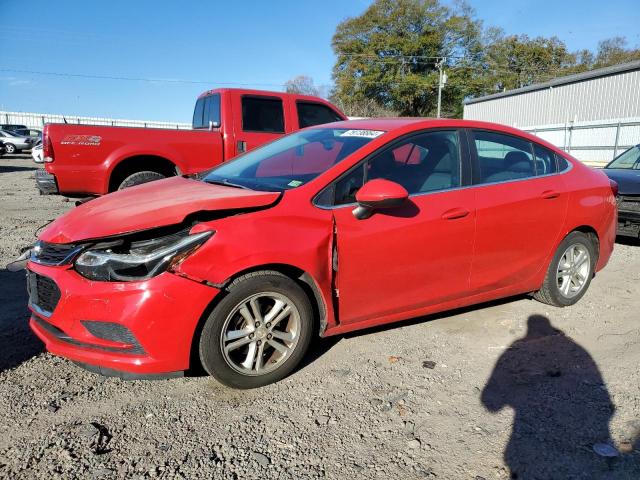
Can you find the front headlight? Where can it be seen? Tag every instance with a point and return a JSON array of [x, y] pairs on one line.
[[139, 260]]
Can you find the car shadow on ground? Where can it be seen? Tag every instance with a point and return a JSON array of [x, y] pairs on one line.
[[17, 342], [16, 168], [561, 406], [632, 242], [321, 346]]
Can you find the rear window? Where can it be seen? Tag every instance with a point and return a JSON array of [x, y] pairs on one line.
[[310, 114], [207, 110], [262, 114]]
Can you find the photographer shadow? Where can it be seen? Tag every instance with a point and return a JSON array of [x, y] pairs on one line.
[[561, 405]]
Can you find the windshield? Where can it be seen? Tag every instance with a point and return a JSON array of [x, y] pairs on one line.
[[292, 160], [7, 133], [627, 160]]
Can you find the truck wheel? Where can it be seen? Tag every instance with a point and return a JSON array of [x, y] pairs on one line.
[[139, 178], [258, 333], [10, 148]]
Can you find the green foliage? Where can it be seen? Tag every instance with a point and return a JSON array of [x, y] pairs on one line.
[[387, 58]]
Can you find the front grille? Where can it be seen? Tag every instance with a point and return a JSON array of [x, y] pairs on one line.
[[44, 294], [629, 203], [54, 253]]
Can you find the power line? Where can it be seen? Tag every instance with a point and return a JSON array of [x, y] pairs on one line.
[[136, 79]]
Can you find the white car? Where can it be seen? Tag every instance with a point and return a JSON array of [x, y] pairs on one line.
[[36, 153]]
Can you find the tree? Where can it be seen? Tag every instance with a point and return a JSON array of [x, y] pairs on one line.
[[516, 61], [387, 58], [302, 85], [390, 54]]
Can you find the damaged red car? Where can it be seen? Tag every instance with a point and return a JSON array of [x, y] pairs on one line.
[[331, 229]]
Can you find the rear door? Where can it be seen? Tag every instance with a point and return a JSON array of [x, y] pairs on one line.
[[521, 206], [312, 113], [260, 119]]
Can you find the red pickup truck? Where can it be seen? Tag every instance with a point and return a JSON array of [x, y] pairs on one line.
[[85, 160]]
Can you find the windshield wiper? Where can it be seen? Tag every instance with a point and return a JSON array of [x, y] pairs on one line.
[[227, 183]]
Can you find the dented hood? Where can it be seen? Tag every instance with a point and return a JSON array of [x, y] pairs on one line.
[[151, 205]]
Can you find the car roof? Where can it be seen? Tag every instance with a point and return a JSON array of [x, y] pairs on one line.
[[392, 123]]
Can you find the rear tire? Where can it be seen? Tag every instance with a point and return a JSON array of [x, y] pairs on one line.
[[570, 271], [139, 178], [10, 148], [242, 348]]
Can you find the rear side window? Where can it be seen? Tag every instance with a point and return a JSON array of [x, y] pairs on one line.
[[502, 157], [261, 114], [207, 110], [562, 162], [545, 160], [310, 114]]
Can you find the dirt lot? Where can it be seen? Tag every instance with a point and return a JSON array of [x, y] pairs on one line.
[[509, 389]]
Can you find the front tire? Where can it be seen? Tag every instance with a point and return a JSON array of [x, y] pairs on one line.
[[10, 148], [258, 333], [570, 271], [139, 178]]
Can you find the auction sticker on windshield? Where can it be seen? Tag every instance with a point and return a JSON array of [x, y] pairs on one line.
[[362, 133]]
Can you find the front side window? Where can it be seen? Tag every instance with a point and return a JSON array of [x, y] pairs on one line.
[[291, 161], [427, 162], [262, 114], [310, 114], [627, 160], [502, 157]]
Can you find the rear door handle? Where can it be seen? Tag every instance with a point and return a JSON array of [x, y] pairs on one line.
[[549, 194], [455, 213]]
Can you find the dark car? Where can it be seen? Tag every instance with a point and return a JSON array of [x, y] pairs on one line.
[[625, 171], [3, 150], [12, 126]]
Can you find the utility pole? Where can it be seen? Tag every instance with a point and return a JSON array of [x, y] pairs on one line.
[[442, 79]]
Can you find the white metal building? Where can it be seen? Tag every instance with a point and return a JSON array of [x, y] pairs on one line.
[[593, 115]]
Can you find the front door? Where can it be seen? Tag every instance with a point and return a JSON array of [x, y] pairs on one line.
[[416, 255], [263, 120]]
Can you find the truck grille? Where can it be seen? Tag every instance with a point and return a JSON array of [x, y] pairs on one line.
[[44, 294], [54, 253]]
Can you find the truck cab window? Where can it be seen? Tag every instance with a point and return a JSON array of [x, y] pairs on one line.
[[310, 114], [262, 114], [207, 110]]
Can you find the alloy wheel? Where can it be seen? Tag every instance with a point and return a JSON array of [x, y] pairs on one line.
[[260, 333], [573, 270]]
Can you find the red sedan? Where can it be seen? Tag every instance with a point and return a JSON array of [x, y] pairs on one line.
[[324, 231]]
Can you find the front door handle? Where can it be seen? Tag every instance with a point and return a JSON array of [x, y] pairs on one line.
[[455, 213], [549, 194]]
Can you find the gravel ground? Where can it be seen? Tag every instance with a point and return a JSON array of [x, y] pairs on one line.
[[511, 389]]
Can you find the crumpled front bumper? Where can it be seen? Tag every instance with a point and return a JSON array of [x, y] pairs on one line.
[[139, 328], [46, 182]]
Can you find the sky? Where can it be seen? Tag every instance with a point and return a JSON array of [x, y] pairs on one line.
[[161, 54]]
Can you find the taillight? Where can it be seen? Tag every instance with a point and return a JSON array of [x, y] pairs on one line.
[[47, 147], [614, 187]]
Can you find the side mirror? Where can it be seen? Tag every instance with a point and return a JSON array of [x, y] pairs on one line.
[[378, 194]]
